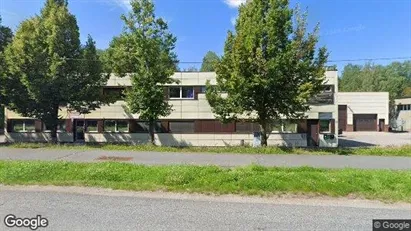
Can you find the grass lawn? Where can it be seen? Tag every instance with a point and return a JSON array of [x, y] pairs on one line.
[[384, 185], [374, 151]]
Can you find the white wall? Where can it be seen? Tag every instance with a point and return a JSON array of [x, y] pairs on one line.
[[15, 137], [404, 117], [167, 139], [365, 103]]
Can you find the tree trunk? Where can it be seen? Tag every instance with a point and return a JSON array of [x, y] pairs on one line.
[[53, 123], [264, 136], [151, 132]]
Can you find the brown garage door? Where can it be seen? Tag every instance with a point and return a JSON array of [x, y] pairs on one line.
[[365, 122]]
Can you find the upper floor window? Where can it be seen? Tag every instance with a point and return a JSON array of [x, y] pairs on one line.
[[118, 93], [181, 92], [404, 107]]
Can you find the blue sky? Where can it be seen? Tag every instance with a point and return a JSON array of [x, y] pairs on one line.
[[350, 29]]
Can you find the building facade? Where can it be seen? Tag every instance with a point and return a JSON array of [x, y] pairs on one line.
[[363, 111], [402, 122], [191, 123]]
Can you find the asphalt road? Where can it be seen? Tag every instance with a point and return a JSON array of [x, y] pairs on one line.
[[85, 209], [225, 160]]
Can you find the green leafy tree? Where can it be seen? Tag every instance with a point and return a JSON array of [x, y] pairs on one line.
[[269, 69], [191, 69], [49, 69], [6, 35], [145, 51], [209, 61]]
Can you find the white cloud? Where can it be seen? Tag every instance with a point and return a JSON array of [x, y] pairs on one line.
[[124, 4], [234, 3]]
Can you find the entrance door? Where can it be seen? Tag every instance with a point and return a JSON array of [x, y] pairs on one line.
[[79, 130], [342, 117], [381, 125], [312, 133]]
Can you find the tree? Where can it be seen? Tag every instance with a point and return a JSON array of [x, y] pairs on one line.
[[269, 69], [191, 69], [6, 35], [145, 50], [48, 68], [209, 62], [393, 78]]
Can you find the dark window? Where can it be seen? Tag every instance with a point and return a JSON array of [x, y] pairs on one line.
[[116, 93], [18, 125], [61, 127], [121, 126], [289, 127], [247, 127], [202, 89], [109, 125], [187, 92], [324, 125], [143, 127], [91, 126], [181, 92], [328, 88], [115, 126], [181, 127], [174, 92], [23, 125]]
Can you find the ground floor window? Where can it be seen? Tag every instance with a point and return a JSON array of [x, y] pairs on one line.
[[61, 126], [91, 126], [324, 125], [182, 127], [23, 125], [115, 126]]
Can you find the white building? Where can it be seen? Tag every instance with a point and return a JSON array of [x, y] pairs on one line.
[[190, 123]]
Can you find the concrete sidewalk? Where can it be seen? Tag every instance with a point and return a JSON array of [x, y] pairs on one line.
[[224, 160]]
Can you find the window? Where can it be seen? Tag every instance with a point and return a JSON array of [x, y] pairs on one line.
[[91, 126], [187, 92], [61, 126], [115, 126], [289, 127], [23, 125], [116, 93], [181, 92], [328, 88], [174, 92], [202, 89], [324, 125], [246, 127], [181, 127], [143, 127]]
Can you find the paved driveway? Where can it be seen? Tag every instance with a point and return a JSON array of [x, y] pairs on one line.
[[360, 139]]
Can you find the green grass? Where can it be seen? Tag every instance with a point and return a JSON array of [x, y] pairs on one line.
[[374, 151], [384, 185]]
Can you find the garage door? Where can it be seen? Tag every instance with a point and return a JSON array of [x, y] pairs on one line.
[[365, 122]]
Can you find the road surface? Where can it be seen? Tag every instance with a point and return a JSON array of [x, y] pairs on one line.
[[225, 160], [100, 209]]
